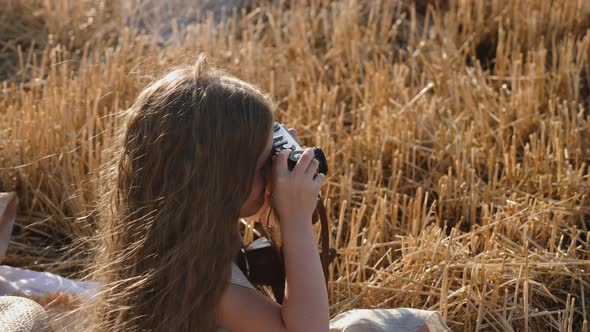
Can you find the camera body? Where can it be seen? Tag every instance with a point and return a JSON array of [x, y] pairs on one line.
[[282, 140]]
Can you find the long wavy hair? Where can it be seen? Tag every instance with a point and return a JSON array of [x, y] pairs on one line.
[[169, 218]]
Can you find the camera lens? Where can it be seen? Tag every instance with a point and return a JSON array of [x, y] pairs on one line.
[[323, 163]]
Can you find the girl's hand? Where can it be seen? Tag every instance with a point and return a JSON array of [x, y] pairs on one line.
[[295, 193]]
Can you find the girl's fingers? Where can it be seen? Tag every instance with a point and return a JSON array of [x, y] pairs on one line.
[[303, 162], [320, 178], [312, 168], [280, 163]]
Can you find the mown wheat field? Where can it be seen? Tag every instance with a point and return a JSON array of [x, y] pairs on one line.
[[457, 134]]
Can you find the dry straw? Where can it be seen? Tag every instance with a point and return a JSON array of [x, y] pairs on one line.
[[457, 134]]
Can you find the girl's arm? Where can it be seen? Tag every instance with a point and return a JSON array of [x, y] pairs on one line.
[[305, 307]]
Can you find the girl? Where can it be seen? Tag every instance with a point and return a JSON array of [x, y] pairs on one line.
[[194, 158]]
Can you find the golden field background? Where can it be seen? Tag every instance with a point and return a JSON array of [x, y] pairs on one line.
[[457, 134]]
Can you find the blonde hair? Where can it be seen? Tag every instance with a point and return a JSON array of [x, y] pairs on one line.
[[169, 220]]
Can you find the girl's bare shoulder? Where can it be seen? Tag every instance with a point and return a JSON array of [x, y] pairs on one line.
[[244, 309]]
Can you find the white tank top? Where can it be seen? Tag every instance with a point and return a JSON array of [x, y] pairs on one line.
[[238, 277]]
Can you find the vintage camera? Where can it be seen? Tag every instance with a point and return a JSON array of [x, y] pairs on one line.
[[283, 140]]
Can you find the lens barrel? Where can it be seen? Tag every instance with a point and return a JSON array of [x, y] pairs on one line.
[[321, 158]]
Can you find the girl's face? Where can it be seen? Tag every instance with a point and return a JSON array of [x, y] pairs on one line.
[[256, 198]]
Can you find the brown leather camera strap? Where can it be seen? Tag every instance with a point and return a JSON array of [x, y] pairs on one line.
[[327, 255]]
